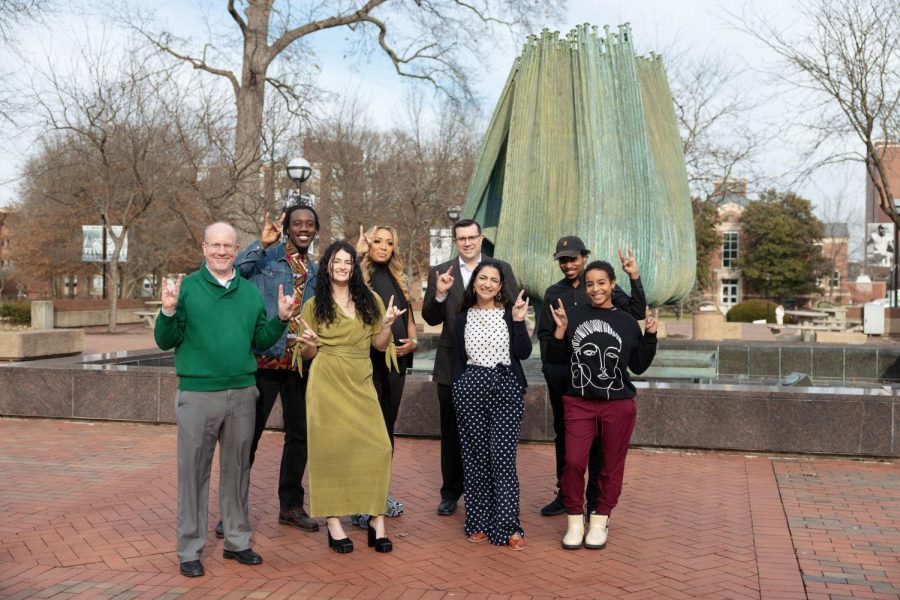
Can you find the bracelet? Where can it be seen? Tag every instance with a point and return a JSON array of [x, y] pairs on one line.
[[413, 340]]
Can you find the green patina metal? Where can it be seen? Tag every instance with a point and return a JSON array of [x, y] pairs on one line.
[[584, 141]]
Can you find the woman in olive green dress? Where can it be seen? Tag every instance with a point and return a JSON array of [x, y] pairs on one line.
[[349, 447]]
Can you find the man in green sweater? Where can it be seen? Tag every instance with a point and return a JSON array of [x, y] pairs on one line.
[[212, 317]]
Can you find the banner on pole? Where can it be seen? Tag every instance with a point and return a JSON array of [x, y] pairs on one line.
[[92, 244]]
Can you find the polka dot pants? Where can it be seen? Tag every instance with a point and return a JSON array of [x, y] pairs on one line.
[[489, 402]]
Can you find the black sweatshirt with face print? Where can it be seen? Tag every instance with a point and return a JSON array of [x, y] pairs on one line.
[[600, 345]]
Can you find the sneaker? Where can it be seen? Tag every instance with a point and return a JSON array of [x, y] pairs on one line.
[[393, 508], [557, 507], [297, 517], [361, 521]]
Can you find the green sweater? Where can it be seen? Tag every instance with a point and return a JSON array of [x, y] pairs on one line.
[[212, 331]]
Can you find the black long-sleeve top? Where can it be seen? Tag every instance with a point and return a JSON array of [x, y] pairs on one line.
[[600, 345], [636, 305]]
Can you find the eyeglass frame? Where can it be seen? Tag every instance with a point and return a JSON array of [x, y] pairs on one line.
[[468, 238], [219, 246]]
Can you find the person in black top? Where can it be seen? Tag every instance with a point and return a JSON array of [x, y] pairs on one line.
[[599, 343], [383, 270], [572, 256]]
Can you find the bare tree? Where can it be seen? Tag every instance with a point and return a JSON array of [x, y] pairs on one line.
[[406, 177], [427, 40], [845, 56], [714, 111], [15, 12], [118, 140], [13, 15]]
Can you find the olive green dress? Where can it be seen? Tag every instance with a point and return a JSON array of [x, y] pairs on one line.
[[349, 448]]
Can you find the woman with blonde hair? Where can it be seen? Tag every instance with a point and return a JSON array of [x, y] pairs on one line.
[[383, 270]]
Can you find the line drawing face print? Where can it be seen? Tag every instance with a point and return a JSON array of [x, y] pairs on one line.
[[596, 349]]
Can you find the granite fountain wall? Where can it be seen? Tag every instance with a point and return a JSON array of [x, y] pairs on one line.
[[845, 420]]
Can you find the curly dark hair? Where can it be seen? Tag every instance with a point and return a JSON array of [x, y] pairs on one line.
[[363, 298], [286, 221], [602, 265], [469, 296]]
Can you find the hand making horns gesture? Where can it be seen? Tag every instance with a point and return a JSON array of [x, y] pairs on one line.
[[285, 304], [271, 232], [629, 263], [169, 294], [391, 313], [308, 338], [443, 281], [520, 307], [559, 316], [651, 321], [362, 244]]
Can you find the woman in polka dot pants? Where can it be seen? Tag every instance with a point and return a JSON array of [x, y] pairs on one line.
[[488, 396]]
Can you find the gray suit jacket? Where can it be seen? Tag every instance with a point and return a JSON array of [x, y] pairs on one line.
[[435, 313]]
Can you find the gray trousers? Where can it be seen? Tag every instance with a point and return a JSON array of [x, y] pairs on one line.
[[203, 418]]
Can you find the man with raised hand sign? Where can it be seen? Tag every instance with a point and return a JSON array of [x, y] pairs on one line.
[[572, 256], [270, 263], [446, 284], [211, 318]]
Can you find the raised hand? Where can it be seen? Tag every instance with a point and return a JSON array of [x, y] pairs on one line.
[[559, 315], [271, 232], [629, 264], [443, 281], [391, 314], [285, 304], [520, 307], [651, 321], [362, 244], [169, 295], [309, 338]]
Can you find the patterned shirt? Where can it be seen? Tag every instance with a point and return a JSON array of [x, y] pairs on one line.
[[298, 264]]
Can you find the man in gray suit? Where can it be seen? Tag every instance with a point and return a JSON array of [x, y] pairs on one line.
[[446, 284]]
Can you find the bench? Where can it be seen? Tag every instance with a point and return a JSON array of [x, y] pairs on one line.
[[148, 317]]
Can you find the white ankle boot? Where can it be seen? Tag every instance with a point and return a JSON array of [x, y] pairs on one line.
[[598, 531], [574, 537]]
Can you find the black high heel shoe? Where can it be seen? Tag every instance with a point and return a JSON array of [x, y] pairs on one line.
[[380, 544], [343, 546]]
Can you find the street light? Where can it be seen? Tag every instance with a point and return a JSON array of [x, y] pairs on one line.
[[299, 170], [454, 213]]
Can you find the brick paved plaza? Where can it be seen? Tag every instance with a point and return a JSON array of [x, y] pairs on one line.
[[87, 510]]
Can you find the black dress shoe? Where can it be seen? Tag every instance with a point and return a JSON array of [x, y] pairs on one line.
[[380, 544], [557, 507], [297, 517], [191, 568], [245, 557], [446, 507], [220, 531]]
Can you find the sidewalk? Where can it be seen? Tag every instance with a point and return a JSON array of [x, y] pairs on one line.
[[87, 510]]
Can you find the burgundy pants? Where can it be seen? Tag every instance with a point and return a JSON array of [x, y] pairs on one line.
[[610, 420]]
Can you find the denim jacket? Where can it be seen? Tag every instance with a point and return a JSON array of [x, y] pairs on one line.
[[267, 268]]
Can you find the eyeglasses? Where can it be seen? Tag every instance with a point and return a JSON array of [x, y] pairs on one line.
[[467, 239], [220, 247]]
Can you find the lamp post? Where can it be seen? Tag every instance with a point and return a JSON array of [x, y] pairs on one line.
[[454, 213], [299, 170], [103, 220]]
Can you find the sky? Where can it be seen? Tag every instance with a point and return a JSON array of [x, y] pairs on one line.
[[691, 27]]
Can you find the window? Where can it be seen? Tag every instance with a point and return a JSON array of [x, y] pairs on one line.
[[729, 249], [728, 292], [835, 280]]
